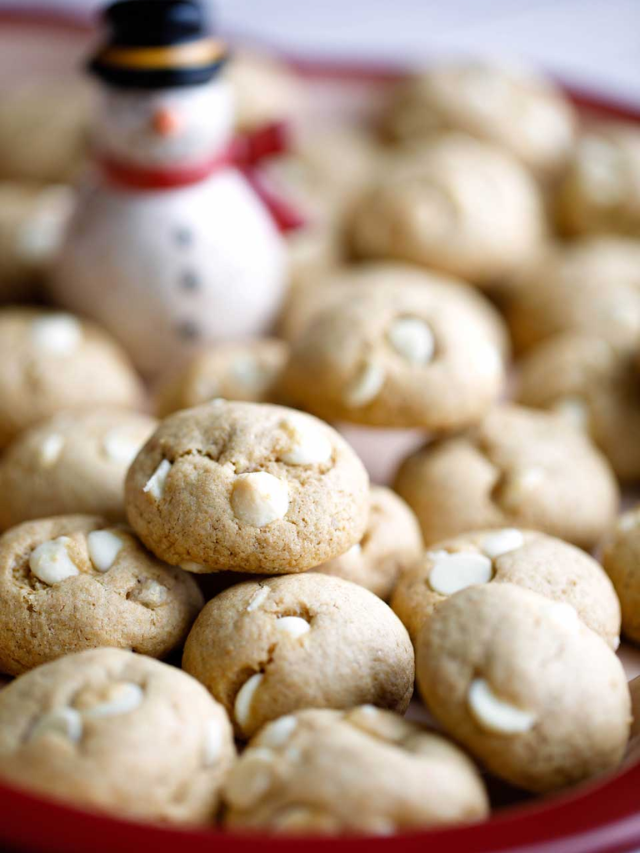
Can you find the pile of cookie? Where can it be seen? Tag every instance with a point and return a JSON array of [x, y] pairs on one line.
[[210, 615]]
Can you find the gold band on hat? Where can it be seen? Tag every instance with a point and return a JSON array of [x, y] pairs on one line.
[[189, 55]]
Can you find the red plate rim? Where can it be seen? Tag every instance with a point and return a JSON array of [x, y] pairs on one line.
[[601, 817]]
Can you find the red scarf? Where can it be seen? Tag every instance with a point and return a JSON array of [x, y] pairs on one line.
[[243, 153]]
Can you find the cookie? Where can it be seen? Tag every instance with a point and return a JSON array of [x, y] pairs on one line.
[[519, 468], [44, 130], [621, 560], [32, 221], [391, 543], [74, 462], [590, 286], [292, 779], [241, 370], [264, 89], [594, 386], [110, 730], [457, 205], [525, 686], [401, 355], [600, 191], [526, 558], [515, 108], [633, 747], [270, 647], [74, 582], [51, 362], [247, 486]]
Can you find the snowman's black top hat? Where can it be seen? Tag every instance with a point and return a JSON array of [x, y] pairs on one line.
[[155, 44]]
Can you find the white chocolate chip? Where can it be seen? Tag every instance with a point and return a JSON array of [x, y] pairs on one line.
[[294, 626], [121, 446], [564, 614], [600, 167], [453, 572], [259, 498], [502, 541], [51, 563], [412, 338], [258, 598], [41, 236], [574, 410], [494, 714], [247, 371], [155, 484], [628, 521], [50, 449], [213, 742], [124, 698], [58, 334], [250, 779], [278, 733], [104, 546], [366, 386], [62, 721], [150, 594], [309, 444], [196, 568], [244, 699]]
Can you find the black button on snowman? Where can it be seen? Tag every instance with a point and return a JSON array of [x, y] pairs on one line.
[[170, 246]]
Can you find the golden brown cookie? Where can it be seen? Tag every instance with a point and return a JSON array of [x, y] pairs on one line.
[[51, 361], [74, 462], [590, 286], [519, 468], [74, 582], [594, 386], [391, 543], [247, 486], [525, 686], [526, 558], [240, 370], [621, 560], [292, 779], [600, 192], [110, 730], [515, 108], [397, 355], [44, 130], [457, 205], [267, 648]]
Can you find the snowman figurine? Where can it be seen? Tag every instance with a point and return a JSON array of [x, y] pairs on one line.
[[170, 246]]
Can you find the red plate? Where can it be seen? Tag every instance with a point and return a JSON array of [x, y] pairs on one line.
[[602, 817]]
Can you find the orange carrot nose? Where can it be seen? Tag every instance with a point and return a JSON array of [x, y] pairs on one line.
[[165, 122]]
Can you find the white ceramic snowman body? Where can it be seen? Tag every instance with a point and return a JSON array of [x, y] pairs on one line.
[[169, 270]]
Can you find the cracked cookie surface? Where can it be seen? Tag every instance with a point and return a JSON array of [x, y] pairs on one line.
[[115, 731], [267, 648], [518, 468], [363, 770], [247, 487], [525, 686], [71, 583]]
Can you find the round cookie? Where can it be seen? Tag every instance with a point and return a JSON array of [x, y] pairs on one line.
[[391, 543], [52, 361], [74, 582], [621, 560], [391, 763], [247, 486], [403, 355], [32, 221], [456, 205], [600, 191], [515, 108], [593, 385], [44, 130], [525, 686], [111, 730], [526, 558], [267, 648], [74, 462], [240, 370], [590, 286], [518, 468]]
